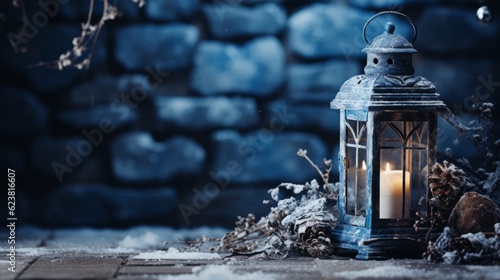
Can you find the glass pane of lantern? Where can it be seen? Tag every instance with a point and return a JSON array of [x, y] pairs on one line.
[[356, 168], [389, 134], [418, 142], [403, 162]]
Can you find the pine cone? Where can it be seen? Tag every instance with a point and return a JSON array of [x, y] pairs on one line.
[[463, 245], [445, 184], [313, 230]]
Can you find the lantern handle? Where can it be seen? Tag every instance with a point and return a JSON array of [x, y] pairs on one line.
[[391, 12]]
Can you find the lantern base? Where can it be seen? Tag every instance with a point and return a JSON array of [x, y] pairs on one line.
[[380, 244]]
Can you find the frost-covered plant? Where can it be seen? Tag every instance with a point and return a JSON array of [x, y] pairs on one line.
[[481, 133], [89, 34], [449, 182], [294, 226], [80, 55], [304, 225], [299, 224], [247, 236], [469, 248]]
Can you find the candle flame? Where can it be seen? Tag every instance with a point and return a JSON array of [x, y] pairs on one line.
[[363, 165], [387, 168]]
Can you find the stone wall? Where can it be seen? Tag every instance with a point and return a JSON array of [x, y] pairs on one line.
[[191, 110]]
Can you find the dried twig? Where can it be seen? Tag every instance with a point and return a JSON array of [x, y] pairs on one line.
[[325, 176], [85, 42]]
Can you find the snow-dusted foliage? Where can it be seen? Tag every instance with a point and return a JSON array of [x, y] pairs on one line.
[[294, 226], [462, 175], [481, 133], [491, 184], [469, 248], [304, 224], [289, 210]]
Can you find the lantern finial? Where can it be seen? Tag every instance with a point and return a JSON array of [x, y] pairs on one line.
[[390, 27], [389, 53]]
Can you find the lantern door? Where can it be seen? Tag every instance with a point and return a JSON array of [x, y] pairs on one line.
[[402, 166], [355, 161]]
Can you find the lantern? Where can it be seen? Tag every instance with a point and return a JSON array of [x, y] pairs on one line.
[[388, 120]]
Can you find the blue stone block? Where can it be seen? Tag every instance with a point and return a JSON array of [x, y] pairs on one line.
[[100, 89], [206, 113], [267, 156], [320, 81], [306, 117], [167, 47], [137, 157], [128, 89], [237, 21], [172, 10], [326, 30], [111, 116], [256, 68], [77, 9]]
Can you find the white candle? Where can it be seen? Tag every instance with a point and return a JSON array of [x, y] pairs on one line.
[[391, 194]]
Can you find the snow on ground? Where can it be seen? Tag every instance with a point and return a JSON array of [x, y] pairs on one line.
[[174, 254], [31, 251], [385, 272], [405, 272], [102, 241], [217, 272], [146, 240], [487, 271], [137, 237]]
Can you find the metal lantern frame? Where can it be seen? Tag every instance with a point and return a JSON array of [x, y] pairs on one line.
[[386, 115]]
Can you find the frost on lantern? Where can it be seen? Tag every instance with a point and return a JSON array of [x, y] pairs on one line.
[[388, 121]]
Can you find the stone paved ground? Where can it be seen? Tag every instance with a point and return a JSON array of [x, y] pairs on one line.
[[108, 254]]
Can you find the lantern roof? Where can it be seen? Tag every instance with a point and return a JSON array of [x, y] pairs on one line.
[[388, 42], [385, 92]]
